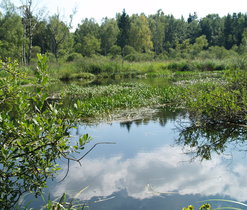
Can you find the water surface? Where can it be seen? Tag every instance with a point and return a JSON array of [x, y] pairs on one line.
[[146, 169]]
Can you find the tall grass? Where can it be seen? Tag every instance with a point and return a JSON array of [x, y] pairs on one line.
[[104, 67], [107, 67], [199, 65]]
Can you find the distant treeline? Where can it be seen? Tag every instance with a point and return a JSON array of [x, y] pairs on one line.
[[23, 34]]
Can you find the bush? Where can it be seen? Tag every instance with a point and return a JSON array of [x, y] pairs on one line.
[[115, 51], [179, 66], [127, 50], [73, 56], [76, 76], [137, 57], [201, 65], [34, 133]]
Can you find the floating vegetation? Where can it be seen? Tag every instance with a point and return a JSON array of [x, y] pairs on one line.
[[106, 100]]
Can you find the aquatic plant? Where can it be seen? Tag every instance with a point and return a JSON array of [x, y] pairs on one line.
[[103, 100]]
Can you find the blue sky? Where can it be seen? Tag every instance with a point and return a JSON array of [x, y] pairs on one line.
[[101, 8]]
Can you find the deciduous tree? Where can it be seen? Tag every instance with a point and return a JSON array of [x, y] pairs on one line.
[[11, 36], [90, 45], [59, 36], [108, 34], [140, 34], [157, 24]]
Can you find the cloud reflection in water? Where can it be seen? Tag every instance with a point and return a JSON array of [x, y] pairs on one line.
[[167, 169]]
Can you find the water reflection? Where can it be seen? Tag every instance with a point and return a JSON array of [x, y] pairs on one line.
[[206, 139], [168, 170], [147, 169], [162, 116], [157, 168]]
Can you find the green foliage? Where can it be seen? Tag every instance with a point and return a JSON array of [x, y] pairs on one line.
[[140, 34], [123, 22], [198, 65], [35, 50], [109, 33], [162, 34], [243, 45], [33, 133], [227, 102], [200, 44], [127, 50], [100, 101], [115, 51], [58, 37], [218, 113], [67, 76], [64, 204], [106, 67], [139, 57], [90, 45], [11, 37], [220, 52], [208, 206], [73, 57], [190, 207], [213, 27], [157, 24], [87, 27]]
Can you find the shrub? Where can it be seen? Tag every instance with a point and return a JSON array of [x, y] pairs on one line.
[[115, 51], [73, 56]]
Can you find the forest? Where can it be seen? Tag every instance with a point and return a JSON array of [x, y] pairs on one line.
[[138, 37]]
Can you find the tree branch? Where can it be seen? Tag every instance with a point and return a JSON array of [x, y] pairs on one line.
[[78, 160]]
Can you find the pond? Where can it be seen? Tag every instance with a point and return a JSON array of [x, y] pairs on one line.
[[147, 168]]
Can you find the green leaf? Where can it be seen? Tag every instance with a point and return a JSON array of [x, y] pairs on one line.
[[35, 121], [19, 143], [81, 141]]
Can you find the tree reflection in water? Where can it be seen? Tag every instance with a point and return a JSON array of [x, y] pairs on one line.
[[162, 116], [205, 138]]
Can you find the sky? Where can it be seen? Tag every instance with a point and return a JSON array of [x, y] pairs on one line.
[[98, 9]]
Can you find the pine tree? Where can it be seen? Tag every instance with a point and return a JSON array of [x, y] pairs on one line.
[[123, 22]]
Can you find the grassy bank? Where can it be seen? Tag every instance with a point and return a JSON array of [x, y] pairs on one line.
[[105, 67]]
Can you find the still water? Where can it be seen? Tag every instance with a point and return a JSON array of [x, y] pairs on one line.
[[147, 169]]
